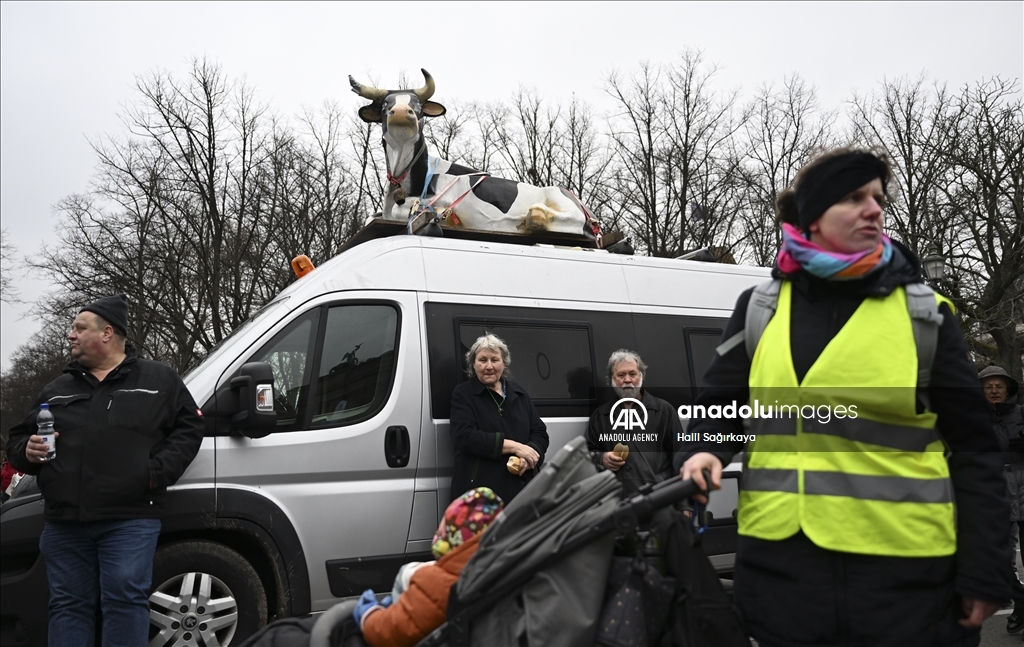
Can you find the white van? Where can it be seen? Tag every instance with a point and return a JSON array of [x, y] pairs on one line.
[[284, 512]]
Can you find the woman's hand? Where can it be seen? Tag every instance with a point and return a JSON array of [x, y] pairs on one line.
[[525, 452], [693, 468], [976, 611]]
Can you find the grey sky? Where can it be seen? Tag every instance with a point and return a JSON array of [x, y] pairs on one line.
[[68, 68]]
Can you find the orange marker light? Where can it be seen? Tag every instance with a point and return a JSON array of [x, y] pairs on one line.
[[302, 266]]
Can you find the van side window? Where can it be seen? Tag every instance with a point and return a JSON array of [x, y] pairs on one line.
[[551, 362], [702, 345], [288, 354], [661, 343], [357, 364]]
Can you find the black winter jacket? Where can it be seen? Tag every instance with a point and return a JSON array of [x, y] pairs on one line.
[[819, 310], [1009, 425], [122, 441], [478, 432], [648, 461]]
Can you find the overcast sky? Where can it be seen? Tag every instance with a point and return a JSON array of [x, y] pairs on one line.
[[69, 68]]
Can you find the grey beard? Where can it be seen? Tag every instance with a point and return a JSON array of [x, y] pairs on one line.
[[627, 391]]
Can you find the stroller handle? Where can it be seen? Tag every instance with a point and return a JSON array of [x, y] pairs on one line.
[[664, 494]]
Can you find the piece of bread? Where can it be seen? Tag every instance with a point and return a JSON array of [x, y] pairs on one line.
[[516, 465], [620, 450]]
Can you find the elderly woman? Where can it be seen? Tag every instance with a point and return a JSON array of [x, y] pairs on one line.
[[493, 420], [877, 516]]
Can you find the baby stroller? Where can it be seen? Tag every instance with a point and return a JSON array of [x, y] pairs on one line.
[[545, 574]]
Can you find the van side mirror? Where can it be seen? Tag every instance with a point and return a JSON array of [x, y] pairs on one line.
[[248, 400]]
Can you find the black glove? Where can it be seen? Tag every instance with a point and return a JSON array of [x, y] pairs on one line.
[[1017, 444]]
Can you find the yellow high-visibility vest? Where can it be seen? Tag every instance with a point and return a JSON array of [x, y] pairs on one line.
[[843, 455]]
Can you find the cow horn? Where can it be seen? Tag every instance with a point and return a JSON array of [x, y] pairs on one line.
[[427, 90], [367, 91]]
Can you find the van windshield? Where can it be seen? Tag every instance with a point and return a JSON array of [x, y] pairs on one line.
[[215, 352]]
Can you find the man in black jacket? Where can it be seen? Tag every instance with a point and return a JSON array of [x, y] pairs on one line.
[[651, 448], [127, 428]]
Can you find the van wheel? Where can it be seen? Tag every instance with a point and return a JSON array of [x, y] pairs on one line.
[[205, 594]]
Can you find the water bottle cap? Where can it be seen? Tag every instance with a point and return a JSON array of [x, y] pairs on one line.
[[45, 405]]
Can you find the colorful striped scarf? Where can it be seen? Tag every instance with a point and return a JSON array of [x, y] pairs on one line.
[[799, 253]]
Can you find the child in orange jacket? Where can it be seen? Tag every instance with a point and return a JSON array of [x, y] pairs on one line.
[[424, 604]]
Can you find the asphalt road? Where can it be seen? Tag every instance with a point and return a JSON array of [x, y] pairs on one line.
[[993, 632]]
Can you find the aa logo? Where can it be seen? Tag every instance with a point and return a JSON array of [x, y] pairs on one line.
[[628, 418]]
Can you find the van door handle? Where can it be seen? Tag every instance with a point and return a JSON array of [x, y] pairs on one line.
[[396, 446]]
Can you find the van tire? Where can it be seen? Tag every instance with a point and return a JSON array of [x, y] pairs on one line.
[[181, 572]]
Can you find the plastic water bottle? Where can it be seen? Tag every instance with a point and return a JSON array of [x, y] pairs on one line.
[[44, 425]]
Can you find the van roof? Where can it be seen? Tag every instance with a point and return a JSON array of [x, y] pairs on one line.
[[490, 269]]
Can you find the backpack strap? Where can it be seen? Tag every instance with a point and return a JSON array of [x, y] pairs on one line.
[[760, 310], [925, 319]]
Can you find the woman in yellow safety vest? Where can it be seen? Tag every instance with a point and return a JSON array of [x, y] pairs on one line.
[[872, 508]]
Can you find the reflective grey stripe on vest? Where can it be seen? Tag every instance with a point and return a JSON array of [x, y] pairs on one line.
[[879, 488], [769, 480], [858, 486], [898, 437], [911, 439], [772, 426]]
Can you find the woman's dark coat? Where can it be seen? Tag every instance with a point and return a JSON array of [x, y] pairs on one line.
[[479, 430]]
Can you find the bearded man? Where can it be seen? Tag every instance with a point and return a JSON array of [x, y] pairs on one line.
[[650, 448]]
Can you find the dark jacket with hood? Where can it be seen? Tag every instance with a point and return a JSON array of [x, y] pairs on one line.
[[1009, 425], [122, 441], [478, 431], [820, 309]]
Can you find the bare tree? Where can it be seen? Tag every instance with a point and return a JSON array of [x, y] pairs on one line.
[[959, 188], [525, 137], [678, 172], [33, 365], [639, 141], [584, 161], [983, 136], [198, 211], [785, 128], [366, 156], [8, 293], [906, 117]]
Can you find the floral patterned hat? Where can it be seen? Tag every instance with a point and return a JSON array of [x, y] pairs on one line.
[[465, 517]]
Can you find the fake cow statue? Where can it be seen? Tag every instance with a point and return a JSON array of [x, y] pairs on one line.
[[454, 194]]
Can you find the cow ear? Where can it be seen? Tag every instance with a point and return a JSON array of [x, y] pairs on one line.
[[370, 114], [433, 109]]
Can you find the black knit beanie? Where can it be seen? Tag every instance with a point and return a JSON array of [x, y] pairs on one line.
[[830, 181], [114, 309]]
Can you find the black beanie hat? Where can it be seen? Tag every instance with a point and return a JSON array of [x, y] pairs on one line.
[[114, 309], [827, 183]]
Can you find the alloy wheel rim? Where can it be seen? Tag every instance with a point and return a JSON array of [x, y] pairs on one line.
[[192, 609]]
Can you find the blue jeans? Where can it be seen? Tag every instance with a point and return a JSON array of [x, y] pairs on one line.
[[110, 562]]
